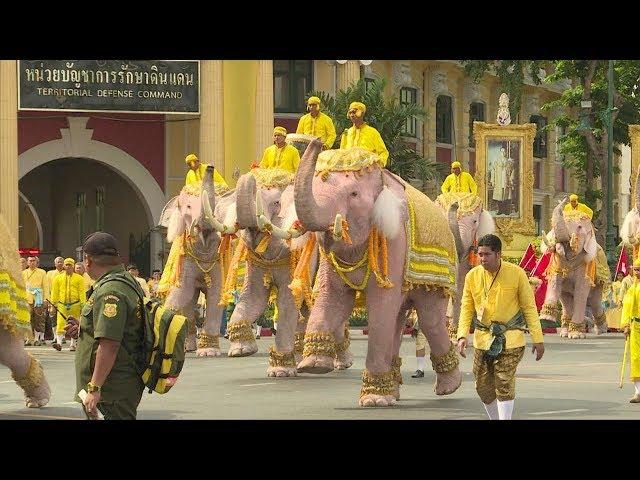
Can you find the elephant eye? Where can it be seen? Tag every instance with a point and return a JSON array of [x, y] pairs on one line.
[[276, 203], [354, 194]]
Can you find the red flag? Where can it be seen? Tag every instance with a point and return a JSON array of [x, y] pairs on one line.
[[528, 260], [623, 263], [541, 266], [540, 293]]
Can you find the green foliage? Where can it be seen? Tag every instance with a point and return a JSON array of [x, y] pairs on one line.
[[389, 117], [266, 318], [515, 260], [511, 74]]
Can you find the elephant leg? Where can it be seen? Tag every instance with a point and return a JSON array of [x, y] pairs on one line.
[[577, 325], [183, 300], [209, 339], [431, 307], [301, 327], [599, 315], [281, 358], [344, 357], [396, 361], [566, 300], [379, 379], [252, 302], [25, 369], [331, 309], [549, 311]]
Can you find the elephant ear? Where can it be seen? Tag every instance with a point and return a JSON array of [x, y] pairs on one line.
[[168, 209], [387, 214], [486, 224], [175, 226], [630, 227], [591, 247]]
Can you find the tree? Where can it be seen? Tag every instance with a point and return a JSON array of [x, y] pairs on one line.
[[389, 117], [511, 74], [585, 141]]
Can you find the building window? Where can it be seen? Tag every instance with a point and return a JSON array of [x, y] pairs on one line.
[[537, 174], [476, 114], [444, 117], [540, 142], [561, 178], [291, 82], [409, 96], [537, 218]]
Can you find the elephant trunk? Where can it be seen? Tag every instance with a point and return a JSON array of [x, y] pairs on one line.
[[246, 191], [637, 205], [559, 225], [313, 216], [455, 229], [208, 191]]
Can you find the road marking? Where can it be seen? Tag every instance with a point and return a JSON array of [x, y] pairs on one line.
[[536, 365], [55, 417], [256, 384], [6, 381], [551, 412], [576, 351], [564, 380]]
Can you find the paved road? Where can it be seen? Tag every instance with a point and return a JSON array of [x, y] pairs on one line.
[[574, 380]]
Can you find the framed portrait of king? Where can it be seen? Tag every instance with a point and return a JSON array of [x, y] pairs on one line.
[[504, 174]]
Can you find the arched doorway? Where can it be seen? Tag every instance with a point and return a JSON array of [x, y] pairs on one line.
[[76, 196]]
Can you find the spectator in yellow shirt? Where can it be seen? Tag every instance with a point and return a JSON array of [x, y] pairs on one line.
[[459, 181], [499, 295], [280, 154], [35, 280], [574, 205], [196, 172], [88, 281], [68, 295], [317, 124], [363, 135]]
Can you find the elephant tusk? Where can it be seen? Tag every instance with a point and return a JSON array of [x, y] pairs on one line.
[[337, 227], [259, 207], [285, 234], [263, 223], [210, 217]]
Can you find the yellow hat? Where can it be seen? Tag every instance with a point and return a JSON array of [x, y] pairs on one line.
[[190, 158], [280, 131], [347, 160], [636, 262], [313, 101], [573, 196], [455, 164], [69, 261], [358, 106]]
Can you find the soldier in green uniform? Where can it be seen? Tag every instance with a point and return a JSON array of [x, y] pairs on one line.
[[110, 335]]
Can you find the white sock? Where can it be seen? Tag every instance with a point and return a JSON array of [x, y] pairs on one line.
[[637, 385], [59, 338], [421, 363], [491, 409], [505, 409], [73, 342]]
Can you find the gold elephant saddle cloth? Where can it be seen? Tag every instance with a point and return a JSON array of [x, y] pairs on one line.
[[431, 252], [468, 202]]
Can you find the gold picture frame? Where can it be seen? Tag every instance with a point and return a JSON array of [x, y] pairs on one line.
[[634, 135], [504, 174]]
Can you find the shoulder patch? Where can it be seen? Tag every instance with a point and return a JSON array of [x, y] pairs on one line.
[[110, 310], [106, 298]]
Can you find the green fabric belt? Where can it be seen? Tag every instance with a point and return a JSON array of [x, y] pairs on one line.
[[498, 330]]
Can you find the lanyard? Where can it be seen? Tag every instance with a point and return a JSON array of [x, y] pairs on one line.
[[486, 292]]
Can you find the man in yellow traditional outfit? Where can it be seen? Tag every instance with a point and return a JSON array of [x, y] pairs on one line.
[[68, 295], [196, 172], [51, 274], [459, 181], [630, 324], [498, 294], [317, 124], [35, 280], [363, 135], [280, 154], [574, 205], [88, 281]]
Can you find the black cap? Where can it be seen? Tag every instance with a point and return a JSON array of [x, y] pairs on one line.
[[100, 243], [132, 266]]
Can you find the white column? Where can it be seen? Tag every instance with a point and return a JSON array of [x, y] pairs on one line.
[[9, 145], [264, 108]]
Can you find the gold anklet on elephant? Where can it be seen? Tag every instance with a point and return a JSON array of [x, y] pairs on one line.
[[208, 341], [577, 327], [298, 343], [551, 310], [343, 346], [396, 363], [33, 378], [445, 363], [564, 322], [240, 332], [452, 330], [378, 383], [281, 359], [601, 321], [319, 343]]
